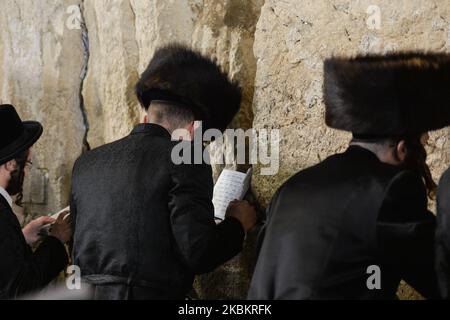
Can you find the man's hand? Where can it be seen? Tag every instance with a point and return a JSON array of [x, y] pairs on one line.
[[61, 228], [242, 211], [31, 230]]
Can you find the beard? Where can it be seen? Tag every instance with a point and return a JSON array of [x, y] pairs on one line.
[[15, 185]]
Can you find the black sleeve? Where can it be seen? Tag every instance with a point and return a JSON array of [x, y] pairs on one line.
[[73, 220], [73, 207], [443, 235], [406, 231], [203, 245], [23, 271]]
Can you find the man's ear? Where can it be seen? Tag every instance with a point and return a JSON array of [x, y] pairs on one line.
[[9, 166], [191, 128], [145, 118], [401, 150], [424, 138]]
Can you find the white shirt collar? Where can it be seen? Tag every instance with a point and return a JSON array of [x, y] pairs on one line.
[[6, 195]]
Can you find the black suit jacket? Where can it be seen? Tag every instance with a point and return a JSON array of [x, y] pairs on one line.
[[23, 271], [443, 235], [143, 225], [327, 224]]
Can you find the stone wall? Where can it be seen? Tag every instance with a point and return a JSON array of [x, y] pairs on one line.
[[41, 62], [294, 37], [72, 65]]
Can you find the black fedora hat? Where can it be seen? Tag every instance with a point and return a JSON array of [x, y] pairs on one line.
[[16, 135]]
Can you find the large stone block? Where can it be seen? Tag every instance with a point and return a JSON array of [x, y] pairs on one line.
[[111, 106], [225, 30], [41, 63]]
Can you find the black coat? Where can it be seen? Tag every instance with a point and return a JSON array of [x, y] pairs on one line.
[[327, 224], [443, 235], [22, 271], [144, 226]]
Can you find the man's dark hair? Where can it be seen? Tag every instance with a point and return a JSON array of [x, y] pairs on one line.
[[415, 159], [15, 186], [176, 115]]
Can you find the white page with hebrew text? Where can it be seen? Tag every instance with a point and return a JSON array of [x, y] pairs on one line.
[[231, 185]]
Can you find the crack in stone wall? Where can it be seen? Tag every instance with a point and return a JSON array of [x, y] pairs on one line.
[[84, 71]]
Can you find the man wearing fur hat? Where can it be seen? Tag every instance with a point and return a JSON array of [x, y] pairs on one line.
[[144, 226], [23, 271], [354, 225]]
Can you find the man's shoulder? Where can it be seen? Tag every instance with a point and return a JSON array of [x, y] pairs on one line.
[[129, 146], [405, 199], [444, 182], [407, 182], [347, 167], [89, 157]]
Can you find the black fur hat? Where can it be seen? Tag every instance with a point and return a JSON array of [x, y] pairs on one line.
[[388, 95], [179, 74]]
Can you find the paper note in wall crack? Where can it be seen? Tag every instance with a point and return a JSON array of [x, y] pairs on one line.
[[231, 185]]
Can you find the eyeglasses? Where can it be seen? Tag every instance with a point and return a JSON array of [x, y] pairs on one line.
[[26, 164]]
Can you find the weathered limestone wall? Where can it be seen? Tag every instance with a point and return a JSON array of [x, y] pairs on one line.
[[72, 64], [225, 30], [123, 36], [294, 37], [41, 62]]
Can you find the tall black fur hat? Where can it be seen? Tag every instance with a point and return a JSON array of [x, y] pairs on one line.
[[179, 74], [388, 95]]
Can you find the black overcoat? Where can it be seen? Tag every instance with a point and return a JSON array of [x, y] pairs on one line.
[[143, 226], [23, 271], [331, 226], [443, 235]]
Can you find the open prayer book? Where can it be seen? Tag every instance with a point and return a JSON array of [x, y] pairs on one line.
[[231, 185]]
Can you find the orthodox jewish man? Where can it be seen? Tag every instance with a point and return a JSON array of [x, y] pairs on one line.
[[23, 271], [354, 225], [144, 224]]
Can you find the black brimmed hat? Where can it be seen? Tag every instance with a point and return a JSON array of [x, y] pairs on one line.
[[16, 135]]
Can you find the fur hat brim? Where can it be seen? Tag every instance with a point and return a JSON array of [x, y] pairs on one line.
[[396, 94]]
